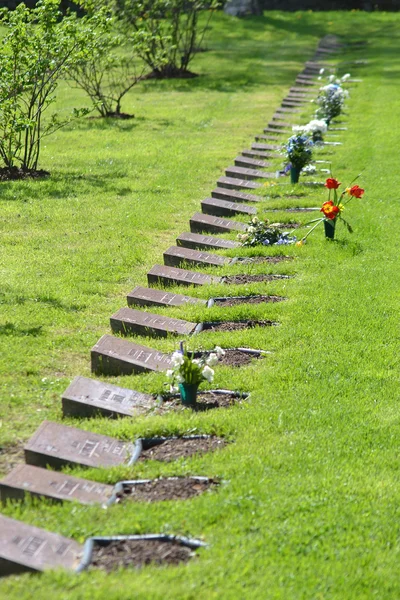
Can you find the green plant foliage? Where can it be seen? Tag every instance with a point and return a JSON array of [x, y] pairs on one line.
[[166, 33], [38, 48], [110, 67]]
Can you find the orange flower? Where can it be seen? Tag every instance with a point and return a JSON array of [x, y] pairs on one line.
[[330, 210], [332, 184], [355, 191]]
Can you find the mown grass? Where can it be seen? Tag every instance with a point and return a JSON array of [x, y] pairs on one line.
[[311, 494]]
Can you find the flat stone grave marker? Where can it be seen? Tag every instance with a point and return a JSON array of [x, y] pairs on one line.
[[262, 136], [132, 321], [298, 96], [58, 445], [288, 111], [117, 356], [164, 275], [86, 397], [307, 77], [265, 147], [141, 296], [176, 256], [302, 91], [224, 208], [234, 195], [201, 222], [243, 173], [291, 103], [276, 131], [251, 163], [261, 153], [231, 183], [305, 82], [298, 99], [26, 548], [52, 485], [207, 242], [280, 125]]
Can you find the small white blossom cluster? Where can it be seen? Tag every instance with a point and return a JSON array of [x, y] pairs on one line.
[[186, 369], [309, 170], [314, 126], [334, 89], [334, 79]]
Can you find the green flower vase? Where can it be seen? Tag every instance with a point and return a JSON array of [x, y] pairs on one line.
[[330, 229], [294, 174], [188, 392]]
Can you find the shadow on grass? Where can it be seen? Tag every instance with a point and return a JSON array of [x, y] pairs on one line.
[[16, 331], [66, 184], [11, 299]]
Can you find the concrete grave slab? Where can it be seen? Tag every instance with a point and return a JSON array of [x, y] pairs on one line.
[[56, 446], [142, 296], [129, 321], [231, 183], [52, 485], [225, 208], [175, 256], [164, 275], [117, 356], [198, 241], [251, 163], [201, 222], [24, 548], [86, 397], [234, 195]]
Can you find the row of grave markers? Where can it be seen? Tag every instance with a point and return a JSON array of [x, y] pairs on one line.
[[27, 548]]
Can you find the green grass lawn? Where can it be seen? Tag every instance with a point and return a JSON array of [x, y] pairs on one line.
[[310, 501]]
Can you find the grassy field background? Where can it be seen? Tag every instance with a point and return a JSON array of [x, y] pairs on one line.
[[310, 503]]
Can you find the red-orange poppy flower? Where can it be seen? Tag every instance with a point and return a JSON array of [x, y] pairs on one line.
[[355, 191], [330, 210], [332, 184]]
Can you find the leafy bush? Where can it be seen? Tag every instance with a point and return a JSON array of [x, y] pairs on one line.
[[109, 69], [38, 48], [166, 33]]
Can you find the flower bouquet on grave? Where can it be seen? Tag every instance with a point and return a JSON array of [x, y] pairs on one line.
[[264, 233], [331, 99], [189, 372], [332, 209], [315, 129], [299, 154]]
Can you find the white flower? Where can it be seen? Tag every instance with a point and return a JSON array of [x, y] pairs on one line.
[[309, 169], [169, 374], [177, 359], [212, 360], [298, 128], [179, 378], [208, 373], [219, 352], [254, 220], [346, 77], [331, 78], [251, 229], [316, 125], [321, 71], [173, 388], [196, 361]]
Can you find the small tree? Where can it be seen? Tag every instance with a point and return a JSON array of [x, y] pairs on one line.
[[167, 33], [38, 47], [109, 69]]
